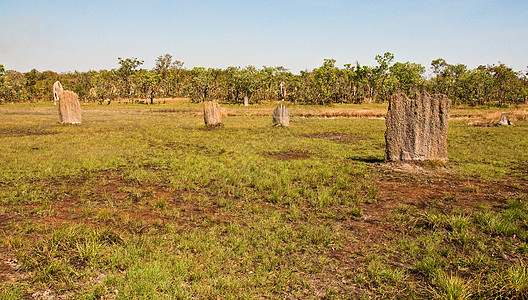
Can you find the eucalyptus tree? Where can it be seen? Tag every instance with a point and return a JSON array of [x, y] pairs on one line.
[[445, 77], [305, 89], [32, 77], [169, 72], [442, 81], [355, 82], [82, 83], [507, 85], [13, 87], [105, 85], [362, 77], [524, 88], [232, 91], [282, 75], [247, 81], [148, 84], [379, 77], [268, 83], [2, 72], [127, 68], [325, 81], [474, 86], [37, 84], [408, 76], [202, 83], [349, 75], [294, 86]]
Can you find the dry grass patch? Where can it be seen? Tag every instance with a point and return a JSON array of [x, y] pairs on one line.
[[489, 117], [340, 112]]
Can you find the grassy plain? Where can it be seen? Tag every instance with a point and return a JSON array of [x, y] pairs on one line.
[[144, 202]]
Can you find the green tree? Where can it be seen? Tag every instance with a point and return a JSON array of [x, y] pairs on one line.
[[32, 77], [290, 81], [268, 83], [149, 84], [474, 87], [325, 82], [105, 85], [203, 83], [164, 64], [445, 77], [169, 72], [246, 82], [507, 86], [13, 88], [82, 83], [362, 78], [408, 76], [127, 68], [2, 73], [379, 81]]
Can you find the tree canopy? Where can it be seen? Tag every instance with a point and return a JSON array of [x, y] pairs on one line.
[[353, 83]]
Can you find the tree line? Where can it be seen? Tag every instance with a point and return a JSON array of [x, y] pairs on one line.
[[353, 83]]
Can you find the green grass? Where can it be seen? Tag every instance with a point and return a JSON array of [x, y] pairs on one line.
[[145, 202]]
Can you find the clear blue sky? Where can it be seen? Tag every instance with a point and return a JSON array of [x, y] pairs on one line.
[[82, 35]]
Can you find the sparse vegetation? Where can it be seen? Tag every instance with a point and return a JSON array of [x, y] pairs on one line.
[[145, 202]]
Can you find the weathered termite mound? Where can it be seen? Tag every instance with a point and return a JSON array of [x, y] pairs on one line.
[[212, 113], [504, 120], [281, 116], [69, 108], [417, 128], [57, 89]]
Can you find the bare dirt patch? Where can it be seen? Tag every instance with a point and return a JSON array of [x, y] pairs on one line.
[[9, 266], [25, 131], [434, 187], [4, 219], [109, 200]]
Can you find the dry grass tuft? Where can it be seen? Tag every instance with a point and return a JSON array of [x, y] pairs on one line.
[[491, 118], [342, 112]]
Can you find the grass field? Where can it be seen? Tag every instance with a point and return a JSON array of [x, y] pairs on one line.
[[144, 202]]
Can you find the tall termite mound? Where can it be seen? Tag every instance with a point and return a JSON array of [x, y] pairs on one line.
[[417, 128]]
